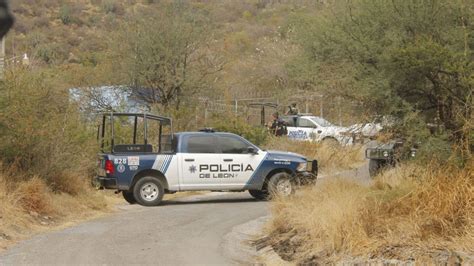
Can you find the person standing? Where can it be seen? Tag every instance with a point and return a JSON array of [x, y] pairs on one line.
[[292, 109], [277, 125]]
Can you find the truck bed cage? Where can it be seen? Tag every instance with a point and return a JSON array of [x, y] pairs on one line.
[[262, 105], [145, 147], [167, 120]]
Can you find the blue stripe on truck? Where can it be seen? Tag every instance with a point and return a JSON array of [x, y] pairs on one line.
[[167, 163]]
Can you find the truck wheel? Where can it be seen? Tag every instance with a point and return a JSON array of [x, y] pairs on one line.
[[128, 196], [280, 184], [259, 194], [375, 167], [330, 142], [149, 191]]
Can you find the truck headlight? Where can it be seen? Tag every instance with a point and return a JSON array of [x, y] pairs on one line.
[[385, 154], [301, 167], [413, 153]]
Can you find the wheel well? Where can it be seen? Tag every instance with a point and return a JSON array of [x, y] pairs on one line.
[[275, 171], [327, 138], [149, 172]]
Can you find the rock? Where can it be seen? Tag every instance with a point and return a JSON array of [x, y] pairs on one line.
[[34, 214]]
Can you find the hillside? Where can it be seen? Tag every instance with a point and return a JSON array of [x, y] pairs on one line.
[[246, 34]]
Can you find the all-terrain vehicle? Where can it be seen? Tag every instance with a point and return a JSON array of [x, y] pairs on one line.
[[143, 159], [388, 155]]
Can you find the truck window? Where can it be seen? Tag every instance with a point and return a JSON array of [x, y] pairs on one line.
[[303, 122], [230, 144], [202, 144], [290, 121]]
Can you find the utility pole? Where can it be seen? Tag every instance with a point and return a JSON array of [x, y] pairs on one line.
[[321, 105]]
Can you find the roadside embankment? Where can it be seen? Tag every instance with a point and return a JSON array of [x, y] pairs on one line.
[[30, 206], [47, 155], [408, 214]]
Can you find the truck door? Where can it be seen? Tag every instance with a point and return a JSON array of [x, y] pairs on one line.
[[310, 129], [217, 162], [304, 129], [238, 164], [199, 151]]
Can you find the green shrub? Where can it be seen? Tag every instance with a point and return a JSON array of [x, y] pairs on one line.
[[41, 131], [236, 125], [65, 15], [109, 6], [247, 15]]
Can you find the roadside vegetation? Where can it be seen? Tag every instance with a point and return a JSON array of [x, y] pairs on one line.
[[32, 206], [331, 157], [413, 60], [48, 157], [409, 213]]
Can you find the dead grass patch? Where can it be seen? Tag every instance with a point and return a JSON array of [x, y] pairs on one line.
[[33, 196], [69, 183], [330, 157], [31, 206], [408, 213]]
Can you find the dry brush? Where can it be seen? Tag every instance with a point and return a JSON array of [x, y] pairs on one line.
[[410, 212]]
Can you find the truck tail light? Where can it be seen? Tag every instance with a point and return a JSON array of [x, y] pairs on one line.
[[109, 167]]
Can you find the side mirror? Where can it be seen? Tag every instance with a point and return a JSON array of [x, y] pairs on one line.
[[252, 150]]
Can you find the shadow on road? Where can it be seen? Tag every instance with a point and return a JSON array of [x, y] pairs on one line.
[[206, 201]]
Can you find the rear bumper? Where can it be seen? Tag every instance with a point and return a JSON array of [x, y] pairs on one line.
[[101, 182]]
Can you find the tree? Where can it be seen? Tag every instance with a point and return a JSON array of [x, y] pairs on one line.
[[401, 57], [164, 57]]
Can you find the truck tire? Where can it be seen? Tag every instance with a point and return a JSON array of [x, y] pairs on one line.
[[149, 191], [259, 194], [375, 167], [281, 185], [128, 196], [330, 142]]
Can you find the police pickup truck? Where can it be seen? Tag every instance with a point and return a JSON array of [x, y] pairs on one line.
[[314, 128], [214, 161]]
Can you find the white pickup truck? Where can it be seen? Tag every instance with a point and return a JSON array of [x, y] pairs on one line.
[[314, 128]]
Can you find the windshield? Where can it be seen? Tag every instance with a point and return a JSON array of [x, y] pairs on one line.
[[321, 121]]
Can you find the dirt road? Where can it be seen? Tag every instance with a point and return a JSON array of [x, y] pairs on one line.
[[183, 231]]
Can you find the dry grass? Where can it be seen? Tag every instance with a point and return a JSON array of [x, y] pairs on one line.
[[330, 157], [33, 196], [31, 206], [69, 183], [408, 213]]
